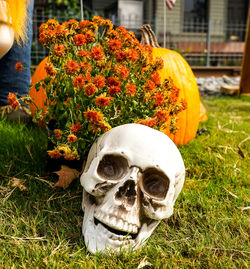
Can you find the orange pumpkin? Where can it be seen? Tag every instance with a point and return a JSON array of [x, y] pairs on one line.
[[176, 67], [38, 97]]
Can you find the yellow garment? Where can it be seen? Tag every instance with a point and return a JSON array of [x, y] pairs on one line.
[[14, 12]]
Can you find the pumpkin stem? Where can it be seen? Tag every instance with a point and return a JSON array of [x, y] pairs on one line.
[[148, 36]]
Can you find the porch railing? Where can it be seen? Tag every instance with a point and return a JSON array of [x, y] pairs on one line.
[[202, 44]]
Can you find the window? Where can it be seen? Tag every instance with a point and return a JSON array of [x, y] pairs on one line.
[[237, 11], [236, 19], [195, 15]]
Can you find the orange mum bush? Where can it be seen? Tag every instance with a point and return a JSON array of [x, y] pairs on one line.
[[99, 77]]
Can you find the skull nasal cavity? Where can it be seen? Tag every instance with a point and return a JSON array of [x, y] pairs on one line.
[[127, 193]]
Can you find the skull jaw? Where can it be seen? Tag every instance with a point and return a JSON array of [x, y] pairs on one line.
[[99, 238]]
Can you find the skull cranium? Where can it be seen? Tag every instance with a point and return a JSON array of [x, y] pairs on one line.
[[131, 180]]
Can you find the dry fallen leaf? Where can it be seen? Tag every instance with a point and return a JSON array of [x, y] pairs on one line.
[[17, 182], [66, 176], [144, 263]]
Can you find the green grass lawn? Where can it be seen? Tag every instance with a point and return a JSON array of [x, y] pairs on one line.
[[40, 227]]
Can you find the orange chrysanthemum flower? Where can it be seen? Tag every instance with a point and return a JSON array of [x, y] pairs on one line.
[[42, 38], [49, 68], [114, 90], [124, 72], [52, 24], [101, 65], [87, 77], [97, 19], [43, 27], [89, 36], [12, 97], [159, 99], [104, 126], [58, 133], [121, 71], [122, 30], [112, 81], [132, 55], [97, 53], [88, 25], [64, 149], [71, 156], [19, 67], [12, 100], [147, 49], [59, 50], [75, 128], [54, 154], [100, 126], [158, 64], [107, 24], [102, 100], [85, 67], [112, 34], [161, 114], [150, 122], [155, 77], [83, 53], [120, 55], [84, 24], [79, 81], [71, 138], [174, 94], [94, 128], [71, 67], [90, 89], [115, 44], [60, 33], [71, 24], [99, 81], [149, 86], [46, 37], [130, 89], [93, 115], [80, 39]]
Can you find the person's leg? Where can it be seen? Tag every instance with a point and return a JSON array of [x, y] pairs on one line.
[[10, 79]]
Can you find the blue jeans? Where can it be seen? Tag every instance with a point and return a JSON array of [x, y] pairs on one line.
[[10, 79]]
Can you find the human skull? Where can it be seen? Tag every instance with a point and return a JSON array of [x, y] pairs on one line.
[[131, 180]]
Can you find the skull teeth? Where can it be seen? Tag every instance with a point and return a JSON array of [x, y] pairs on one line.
[[112, 233], [118, 224], [120, 238]]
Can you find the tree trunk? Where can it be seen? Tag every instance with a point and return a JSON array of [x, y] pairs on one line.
[[245, 70]]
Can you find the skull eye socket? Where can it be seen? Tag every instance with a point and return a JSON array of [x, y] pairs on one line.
[[154, 183], [112, 167]]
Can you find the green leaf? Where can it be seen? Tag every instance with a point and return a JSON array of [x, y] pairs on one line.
[[47, 80], [38, 86]]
